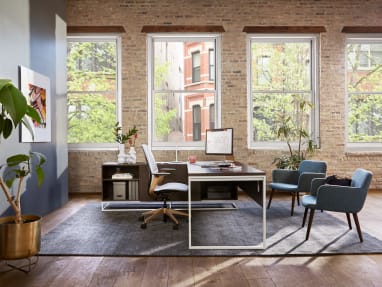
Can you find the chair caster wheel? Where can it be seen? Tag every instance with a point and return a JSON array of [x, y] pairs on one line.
[[143, 225], [175, 227], [141, 218]]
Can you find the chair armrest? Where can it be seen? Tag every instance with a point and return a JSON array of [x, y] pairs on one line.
[[167, 169], [316, 183], [285, 176], [305, 180], [161, 173], [340, 198]]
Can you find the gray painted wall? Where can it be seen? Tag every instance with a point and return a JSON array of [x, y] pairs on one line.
[[34, 36]]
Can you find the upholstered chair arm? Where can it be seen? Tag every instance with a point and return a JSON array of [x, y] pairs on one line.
[[285, 176], [340, 198], [316, 183], [305, 180]]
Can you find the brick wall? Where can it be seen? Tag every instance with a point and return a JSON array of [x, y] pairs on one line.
[[233, 15]]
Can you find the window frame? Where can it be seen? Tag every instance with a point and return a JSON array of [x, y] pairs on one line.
[[359, 146], [185, 37], [91, 37], [314, 39]]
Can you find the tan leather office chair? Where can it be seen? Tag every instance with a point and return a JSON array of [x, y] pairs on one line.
[[160, 191]]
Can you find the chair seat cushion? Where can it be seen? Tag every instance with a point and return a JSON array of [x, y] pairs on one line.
[[309, 201], [283, 186], [171, 187]]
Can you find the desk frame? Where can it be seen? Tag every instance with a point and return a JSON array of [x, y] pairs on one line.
[[220, 178]]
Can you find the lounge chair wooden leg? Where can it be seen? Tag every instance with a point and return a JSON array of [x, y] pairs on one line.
[[349, 221], [298, 199], [355, 216], [309, 223], [270, 198], [293, 199], [304, 218]]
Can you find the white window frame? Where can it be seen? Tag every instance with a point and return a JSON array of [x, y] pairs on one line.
[[315, 113], [195, 37], [350, 146], [92, 38]]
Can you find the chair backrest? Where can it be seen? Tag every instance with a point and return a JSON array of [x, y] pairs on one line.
[[153, 167], [316, 166]]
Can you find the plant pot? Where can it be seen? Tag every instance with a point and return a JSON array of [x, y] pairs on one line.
[[19, 241]]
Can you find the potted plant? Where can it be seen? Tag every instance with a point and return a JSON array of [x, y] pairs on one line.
[[121, 139], [19, 234], [291, 128]]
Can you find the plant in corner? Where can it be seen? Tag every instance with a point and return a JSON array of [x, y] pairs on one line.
[[291, 127], [15, 170]]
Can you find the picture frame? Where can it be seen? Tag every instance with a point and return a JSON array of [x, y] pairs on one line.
[[36, 88]]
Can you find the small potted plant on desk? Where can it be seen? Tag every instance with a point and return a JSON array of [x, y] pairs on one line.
[[121, 139], [19, 234]]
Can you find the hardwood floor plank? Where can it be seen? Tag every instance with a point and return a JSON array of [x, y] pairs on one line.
[[180, 272], [133, 271]]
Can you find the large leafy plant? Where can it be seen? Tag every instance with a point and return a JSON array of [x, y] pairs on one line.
[[14, 110], [292, 128]]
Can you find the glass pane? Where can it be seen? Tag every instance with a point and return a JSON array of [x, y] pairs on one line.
[[92, 91], [365, 118], [173, 65], [364, 67], [173, 116], [281, 66], [270, 110], [91, 117]]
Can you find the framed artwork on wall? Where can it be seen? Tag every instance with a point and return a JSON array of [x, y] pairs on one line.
[[36, 88]]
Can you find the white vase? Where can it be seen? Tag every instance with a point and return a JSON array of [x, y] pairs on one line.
[[122, 156], [131, 156]]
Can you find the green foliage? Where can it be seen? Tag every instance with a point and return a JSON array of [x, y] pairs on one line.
[[90, 118], [163, 116], [91, 81], [364, 72], [291, 127], [14, 109], [121, 137]]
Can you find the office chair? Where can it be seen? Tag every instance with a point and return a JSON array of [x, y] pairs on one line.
[[296, 181], [160, 191], [346, 199]]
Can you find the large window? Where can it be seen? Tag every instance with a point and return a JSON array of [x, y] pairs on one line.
[[364, 91], [282, 72], [181, 90], [92, 91]]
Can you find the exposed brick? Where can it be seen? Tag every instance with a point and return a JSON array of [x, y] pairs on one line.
[[85, 167]]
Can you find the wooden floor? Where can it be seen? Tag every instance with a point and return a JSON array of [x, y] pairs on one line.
[[338, 270]]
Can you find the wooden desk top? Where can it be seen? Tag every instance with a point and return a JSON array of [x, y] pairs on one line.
[[199, 168]]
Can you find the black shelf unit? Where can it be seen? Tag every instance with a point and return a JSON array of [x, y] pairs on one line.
[[124, 189]]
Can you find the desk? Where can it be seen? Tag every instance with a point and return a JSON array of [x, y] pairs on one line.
[[241, 173]]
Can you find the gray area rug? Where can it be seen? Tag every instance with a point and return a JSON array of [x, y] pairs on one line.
[[92, 232]]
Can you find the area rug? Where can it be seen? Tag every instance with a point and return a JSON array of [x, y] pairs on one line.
[[91, 232]]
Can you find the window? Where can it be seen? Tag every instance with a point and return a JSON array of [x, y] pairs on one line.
[[196, 67], [180, 89], [282, 68], [364, 91], [92, 90], [196, 112]]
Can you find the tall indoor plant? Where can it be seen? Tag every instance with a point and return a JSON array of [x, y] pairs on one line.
[[13, 229], [291, 127]]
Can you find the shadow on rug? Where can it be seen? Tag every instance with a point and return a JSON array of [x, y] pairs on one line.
[[92, 232]]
